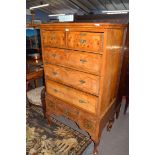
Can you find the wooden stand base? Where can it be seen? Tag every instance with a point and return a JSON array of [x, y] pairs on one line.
[[82, 121]]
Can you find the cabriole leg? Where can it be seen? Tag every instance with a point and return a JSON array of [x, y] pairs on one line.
[[95, 148], [110, 123], [49, 121], [118, 111]]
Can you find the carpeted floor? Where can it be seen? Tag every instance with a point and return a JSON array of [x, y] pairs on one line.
[[55, 139]]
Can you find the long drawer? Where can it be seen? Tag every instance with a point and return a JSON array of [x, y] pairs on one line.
[[72, 96], [83, 61], [83, 81]]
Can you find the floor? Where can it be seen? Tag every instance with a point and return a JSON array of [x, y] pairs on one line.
[[115, 142]]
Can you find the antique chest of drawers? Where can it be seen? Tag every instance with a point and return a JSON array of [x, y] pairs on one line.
[[82, 63]]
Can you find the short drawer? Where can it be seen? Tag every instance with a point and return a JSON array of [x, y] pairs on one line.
[[89, 125], [83, 61], [53, 39], [83, 81], [67, 111], [85, 41], [88, 122], [72, 96]]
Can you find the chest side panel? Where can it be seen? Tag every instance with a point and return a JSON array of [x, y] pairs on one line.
[[112, 61]]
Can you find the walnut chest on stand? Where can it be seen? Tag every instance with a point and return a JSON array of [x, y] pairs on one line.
[[82, 64]]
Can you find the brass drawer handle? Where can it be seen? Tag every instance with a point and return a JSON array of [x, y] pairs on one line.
[[46, 63], [53, 55], [83, 60], [54, 73], [82, 81], [46, 46], [82, 101], [83, 34], [82, 41], [55, 90], [52, 38]]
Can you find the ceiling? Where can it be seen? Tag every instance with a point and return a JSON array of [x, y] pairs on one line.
[[79, 7]]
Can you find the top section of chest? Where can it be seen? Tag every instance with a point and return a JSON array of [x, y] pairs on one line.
[[89, 37]]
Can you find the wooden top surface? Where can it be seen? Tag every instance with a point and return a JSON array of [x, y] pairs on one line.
[[88, 24]]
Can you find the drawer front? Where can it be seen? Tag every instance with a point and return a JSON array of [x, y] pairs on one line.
[[72, 96], [53, 38], [85, 41], [79, 60], [46, 38], [88, 122], [83, 81], [65, 110]]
